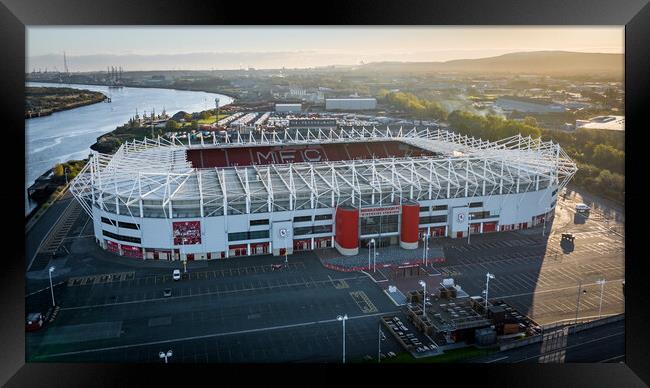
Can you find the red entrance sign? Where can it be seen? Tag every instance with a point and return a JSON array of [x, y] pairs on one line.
[[379, 211]]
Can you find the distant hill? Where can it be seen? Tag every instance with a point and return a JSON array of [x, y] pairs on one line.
[[537, 62]]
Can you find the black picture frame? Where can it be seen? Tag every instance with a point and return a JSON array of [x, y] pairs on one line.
[[16, 14]]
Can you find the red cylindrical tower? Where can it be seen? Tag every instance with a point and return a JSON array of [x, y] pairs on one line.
[[408, 238], [346, 239]]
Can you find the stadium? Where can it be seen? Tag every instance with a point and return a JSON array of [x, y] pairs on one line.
[[303, 189]]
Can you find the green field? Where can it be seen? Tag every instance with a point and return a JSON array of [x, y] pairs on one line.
[[211, 119]]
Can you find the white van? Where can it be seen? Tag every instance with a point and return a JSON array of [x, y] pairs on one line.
[[581, 207]]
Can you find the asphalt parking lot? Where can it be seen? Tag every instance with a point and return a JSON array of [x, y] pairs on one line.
[[536, 275], [251, 314], [113, 309]]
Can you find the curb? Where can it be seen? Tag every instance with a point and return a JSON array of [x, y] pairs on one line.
[[42, 210], [46, 288], [342, 268]]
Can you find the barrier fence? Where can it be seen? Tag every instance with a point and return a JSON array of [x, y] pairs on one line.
[[572, 329]]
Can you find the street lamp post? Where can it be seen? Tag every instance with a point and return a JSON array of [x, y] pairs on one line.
[[469, 230], [381, 337], [602, 288], [372, 241], [578, 304], [545, 215], [488, 276], [424, 299], [343, 319], [426, 248], [286, 254], [51, 288], [165, 355], [374, 259]]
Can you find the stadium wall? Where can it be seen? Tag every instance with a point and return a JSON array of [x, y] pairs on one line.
[[508, 211]]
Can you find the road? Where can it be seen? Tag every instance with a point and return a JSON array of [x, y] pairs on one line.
[[600, 344], [43, 226]]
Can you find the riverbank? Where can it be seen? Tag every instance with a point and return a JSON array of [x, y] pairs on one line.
[[189, 89], [43, 101], [67, 135]]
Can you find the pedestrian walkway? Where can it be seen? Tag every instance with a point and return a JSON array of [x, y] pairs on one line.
[[386, 257], [53, 241]]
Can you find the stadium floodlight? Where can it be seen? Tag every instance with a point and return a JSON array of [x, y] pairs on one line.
[[343, 318]]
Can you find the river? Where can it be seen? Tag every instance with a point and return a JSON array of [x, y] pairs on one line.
[[69, 134]]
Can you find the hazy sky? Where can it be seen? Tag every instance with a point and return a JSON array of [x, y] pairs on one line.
[[141, 48]]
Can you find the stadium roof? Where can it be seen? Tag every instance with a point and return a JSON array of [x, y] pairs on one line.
[[153, 178]]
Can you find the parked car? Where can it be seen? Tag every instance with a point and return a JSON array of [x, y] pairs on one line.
[[581, 207], [176, 275], [167, 292], [34, 321]]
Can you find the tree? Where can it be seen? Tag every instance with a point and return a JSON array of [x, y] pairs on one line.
[[58, 170], [194, 125], [608, 157], [531, 121], [172, 125], [205, 115]]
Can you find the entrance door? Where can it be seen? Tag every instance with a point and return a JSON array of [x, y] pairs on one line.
[[459, 234]]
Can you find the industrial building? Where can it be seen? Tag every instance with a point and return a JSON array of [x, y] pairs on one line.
[[277, 192], [351, 104], [532, 105], [288, 108], [609, 123]]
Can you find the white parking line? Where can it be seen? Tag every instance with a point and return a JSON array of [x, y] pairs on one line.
[[214, 335], [530, 278], [522, 284]]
